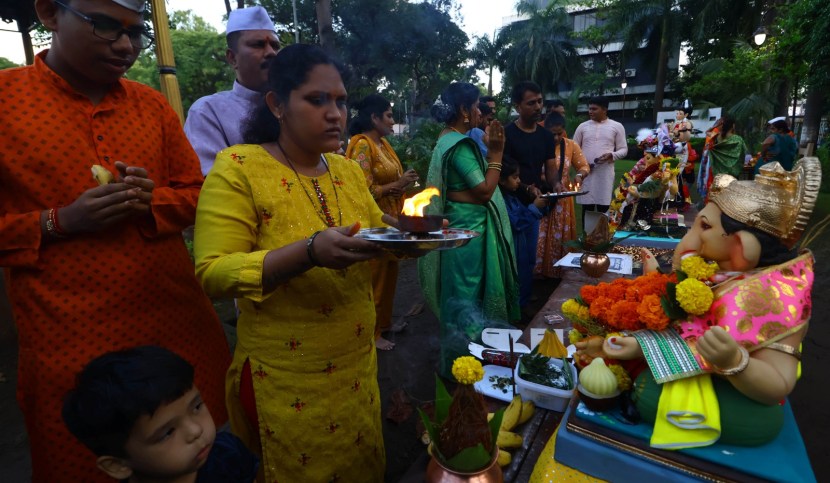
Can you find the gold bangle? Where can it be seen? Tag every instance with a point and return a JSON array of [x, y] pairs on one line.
[[495, 166], [741, 367], [787, 349]]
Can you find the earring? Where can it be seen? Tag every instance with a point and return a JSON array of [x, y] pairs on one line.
[[466, 119]]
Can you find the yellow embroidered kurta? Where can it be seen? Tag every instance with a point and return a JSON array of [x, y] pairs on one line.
[[310, 342], [380, 166]]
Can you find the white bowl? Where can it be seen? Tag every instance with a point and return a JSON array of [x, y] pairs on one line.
[[545, 396]]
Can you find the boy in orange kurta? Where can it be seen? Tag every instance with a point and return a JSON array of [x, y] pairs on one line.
[[91, 269]]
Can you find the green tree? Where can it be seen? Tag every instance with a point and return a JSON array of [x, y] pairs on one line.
[[656, 23], [199, 52], [405, 50], [486, 54], [804, 31], [539, 48], [741, 85], [7, 64]]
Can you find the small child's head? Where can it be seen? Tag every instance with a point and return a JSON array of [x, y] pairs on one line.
[[140, 413], [509, 176]]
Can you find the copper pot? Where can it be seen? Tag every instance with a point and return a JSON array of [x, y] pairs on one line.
[[594, 264], [438, 473]]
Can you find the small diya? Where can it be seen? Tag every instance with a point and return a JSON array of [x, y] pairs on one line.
[[412, 219]]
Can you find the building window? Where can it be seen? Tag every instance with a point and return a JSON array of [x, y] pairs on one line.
[[583, 21]]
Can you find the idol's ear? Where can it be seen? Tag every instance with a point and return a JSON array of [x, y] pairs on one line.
[[745, 251]]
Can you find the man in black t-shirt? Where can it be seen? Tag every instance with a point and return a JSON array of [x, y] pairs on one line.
[[525, 141]]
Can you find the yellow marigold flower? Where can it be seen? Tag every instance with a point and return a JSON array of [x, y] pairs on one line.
[[623, 379], [467, 370], [583, 312], [570, 306], [696, 267], [694, 296], [575, 336]]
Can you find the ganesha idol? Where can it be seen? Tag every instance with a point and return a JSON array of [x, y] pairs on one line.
[[642, 190], [720, 373]]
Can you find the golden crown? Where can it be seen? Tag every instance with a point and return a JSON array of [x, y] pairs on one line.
[[777, 202]]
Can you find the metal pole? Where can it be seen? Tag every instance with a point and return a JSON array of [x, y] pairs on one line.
[[296, 26], [623, 113], [164, 54]]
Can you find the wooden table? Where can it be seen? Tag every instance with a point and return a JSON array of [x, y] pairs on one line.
[[538, 430], [572, 281]]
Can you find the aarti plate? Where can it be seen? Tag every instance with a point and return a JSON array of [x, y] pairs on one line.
[[416, 245]]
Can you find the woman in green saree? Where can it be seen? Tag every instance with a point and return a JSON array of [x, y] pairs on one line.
[[728, 153], [475, 286]]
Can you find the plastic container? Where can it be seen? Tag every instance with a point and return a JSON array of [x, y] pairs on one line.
[[545, 396]]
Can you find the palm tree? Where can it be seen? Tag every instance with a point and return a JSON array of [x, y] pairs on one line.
[[486, 53], [659, 25], [539, 48], [324, 24]]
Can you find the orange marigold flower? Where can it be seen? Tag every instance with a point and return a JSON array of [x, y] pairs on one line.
[[615, 292], [632, 293], [623, 315], [589, 293], [600, 308], [651, 313]]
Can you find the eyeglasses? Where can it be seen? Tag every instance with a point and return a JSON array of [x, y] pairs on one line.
[[107, 28]]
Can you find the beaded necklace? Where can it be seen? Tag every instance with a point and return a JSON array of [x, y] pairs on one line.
[[324, 212]]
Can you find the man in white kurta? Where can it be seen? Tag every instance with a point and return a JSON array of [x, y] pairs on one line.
[[603, 142], [217, 121]]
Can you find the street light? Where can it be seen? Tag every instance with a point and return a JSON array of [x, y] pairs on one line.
[[760, 36], [623, 85]]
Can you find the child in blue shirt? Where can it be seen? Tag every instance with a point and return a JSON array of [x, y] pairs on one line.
[[140, 413], [523, 219]]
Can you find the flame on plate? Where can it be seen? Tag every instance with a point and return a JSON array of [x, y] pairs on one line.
[[415, 206]]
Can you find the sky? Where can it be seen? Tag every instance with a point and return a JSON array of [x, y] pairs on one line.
[[478, 17]]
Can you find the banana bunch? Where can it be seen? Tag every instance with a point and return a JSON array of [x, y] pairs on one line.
[[551, 346], [102, 175], [517, 412]]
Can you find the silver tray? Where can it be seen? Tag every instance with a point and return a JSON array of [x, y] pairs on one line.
[[564, 194], [411, 245]]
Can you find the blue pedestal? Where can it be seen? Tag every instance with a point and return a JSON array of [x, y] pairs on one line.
[[784, 459]]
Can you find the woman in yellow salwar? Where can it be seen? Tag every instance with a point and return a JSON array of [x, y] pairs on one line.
[[273, 229], [559, 226], [480, 277], [387, 182]]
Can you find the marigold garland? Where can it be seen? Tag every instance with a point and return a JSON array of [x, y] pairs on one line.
[[623, 379], [574, 336], [651, 313], [694, 296], [467, 370], [696, 267]]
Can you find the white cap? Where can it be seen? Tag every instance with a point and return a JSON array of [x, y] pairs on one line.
[[134, 5], [251, 18], [776, 119]]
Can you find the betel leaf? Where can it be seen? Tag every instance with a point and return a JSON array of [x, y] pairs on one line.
[[442, 401], [681, 275], [495, 424], [470, 459], [670, 305], [432, 429]]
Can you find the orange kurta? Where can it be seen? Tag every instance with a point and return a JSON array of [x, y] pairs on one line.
[[381, 166], [130, 284], [559, 226]]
